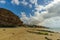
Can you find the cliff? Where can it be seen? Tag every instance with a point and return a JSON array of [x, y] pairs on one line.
[[8, 18]]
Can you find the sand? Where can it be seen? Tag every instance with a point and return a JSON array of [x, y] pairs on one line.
[[22, 33]]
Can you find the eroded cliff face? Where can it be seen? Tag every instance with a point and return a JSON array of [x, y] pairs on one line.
[[8, 18]]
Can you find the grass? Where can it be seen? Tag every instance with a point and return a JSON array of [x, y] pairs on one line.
[[47, 38], [46, 31], [41, 33]]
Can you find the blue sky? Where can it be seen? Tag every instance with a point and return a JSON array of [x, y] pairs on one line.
[[17, 9]]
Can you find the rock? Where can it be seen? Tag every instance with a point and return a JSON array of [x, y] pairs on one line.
[[9, 19], [47, 38], [58, 39]]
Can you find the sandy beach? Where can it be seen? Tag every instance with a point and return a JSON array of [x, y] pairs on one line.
[[22, 33]]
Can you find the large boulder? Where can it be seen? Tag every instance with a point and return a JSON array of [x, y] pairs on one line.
[[8, 18]]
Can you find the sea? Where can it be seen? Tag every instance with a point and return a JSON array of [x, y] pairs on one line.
[[56, 29]]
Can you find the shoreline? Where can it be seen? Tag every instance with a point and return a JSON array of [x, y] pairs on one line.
[[55, 30]]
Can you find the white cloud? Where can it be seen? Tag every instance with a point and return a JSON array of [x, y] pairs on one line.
[[39, 7], [33, 1], [53, 10], [33, 20], [15, 2], [37, 18], [51, 22], [50, 17], [24, 18], [2, 1], [30, 5], [24, 2]]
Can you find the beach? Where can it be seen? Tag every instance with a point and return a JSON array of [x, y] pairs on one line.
[[26, 33]]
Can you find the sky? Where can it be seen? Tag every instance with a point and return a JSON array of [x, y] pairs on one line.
[[35, 12]]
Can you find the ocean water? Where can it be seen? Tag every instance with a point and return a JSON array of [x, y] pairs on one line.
[[57, 29]]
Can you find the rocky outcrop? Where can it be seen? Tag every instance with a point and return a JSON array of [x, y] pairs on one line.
[[8, 18]]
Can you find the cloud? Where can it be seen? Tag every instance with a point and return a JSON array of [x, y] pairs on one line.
[[33, 20], [51, 22], [33, 1], [53, 9], [15, 2], [48, 18], [2, 1], [30, 5], [39, 8], [52, 18], [37, 18], [24, 2]]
